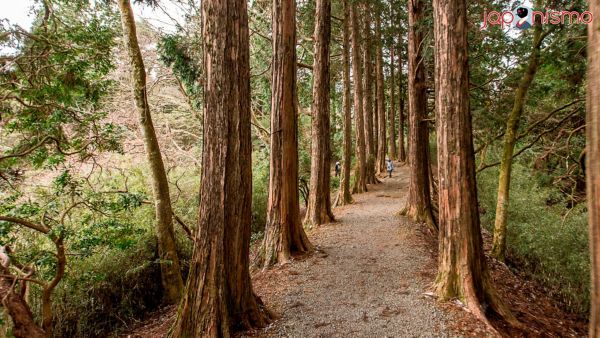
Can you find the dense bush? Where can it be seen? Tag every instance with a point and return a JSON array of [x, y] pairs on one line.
[[544, 238]]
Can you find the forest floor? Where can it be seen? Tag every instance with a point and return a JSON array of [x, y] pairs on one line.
[[371, 276]]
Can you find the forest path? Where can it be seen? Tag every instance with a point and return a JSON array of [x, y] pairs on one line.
[[366, 280]]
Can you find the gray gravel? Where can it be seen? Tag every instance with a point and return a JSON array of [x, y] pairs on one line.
[[366, 280]]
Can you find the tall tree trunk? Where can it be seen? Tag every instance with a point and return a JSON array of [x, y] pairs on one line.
[[510, 134], [284, 235], [319, 198], [418, 206], [345, 197], [462, 270], [360, 181], [167, 248], [593, 163], [392, 108], [401, 119], [368, 93], [381, 129], [219, 297]]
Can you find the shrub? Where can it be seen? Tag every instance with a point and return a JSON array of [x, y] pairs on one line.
[[544, 239]]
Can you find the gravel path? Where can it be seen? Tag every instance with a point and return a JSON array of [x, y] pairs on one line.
[[366, 280]]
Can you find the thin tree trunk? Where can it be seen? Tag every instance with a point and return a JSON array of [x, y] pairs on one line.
[[345, 197], [319, 198], [392, 111], [167, 248], [401, 115], [418, 206], [510, 135], [284, 235], [593, 163], [360, 181], [367, 109], [219, 297], [381, 130], [462, 270]]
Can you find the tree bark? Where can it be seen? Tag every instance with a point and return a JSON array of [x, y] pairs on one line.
[[344, 195], [593, 163], [319, 198], [284, 235], [381, 129], [167, 248], [401, 148], [462, 270], [360, 181], [392, 109], [219, 299], [510, 138], [418, 206], [367, 109], [24, 326]]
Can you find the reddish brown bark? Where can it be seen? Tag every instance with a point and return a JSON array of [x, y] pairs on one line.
[[593, 162], [401, 115], [360, 182], [368, 93], [24, 326], [418, 206], [319, 199], [462, 270], [345, 196], [392, 109], [218, 298], [381, 129], [284, 235]]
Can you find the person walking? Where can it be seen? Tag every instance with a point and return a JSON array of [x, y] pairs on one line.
[[338, 168], [390, 167]]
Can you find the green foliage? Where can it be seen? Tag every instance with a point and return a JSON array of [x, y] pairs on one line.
[[53, 86], [549, 242]]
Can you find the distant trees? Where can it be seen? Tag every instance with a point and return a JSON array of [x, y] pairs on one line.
[[593, 163], [319, 198], [219, 293], [284, 235], [418, 206], [167, 247], [462, 270]]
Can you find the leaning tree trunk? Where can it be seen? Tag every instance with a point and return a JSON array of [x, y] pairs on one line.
[[418, 206], [392, 111], [401, 148], [462, 271], [284, 235], [381, 143], [360, 181], [219, 297], [167, 248], [367, 102], [319, 198], [24, 325], [593, 163], [344, 196], [510, 137]]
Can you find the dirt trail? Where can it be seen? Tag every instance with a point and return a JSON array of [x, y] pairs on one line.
[[367, 280]]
